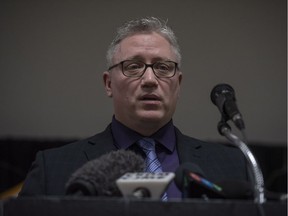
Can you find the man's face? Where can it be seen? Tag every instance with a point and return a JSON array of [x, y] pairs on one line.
[[147, 99]]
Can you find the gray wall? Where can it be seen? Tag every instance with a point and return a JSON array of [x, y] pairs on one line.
[[52, 55]]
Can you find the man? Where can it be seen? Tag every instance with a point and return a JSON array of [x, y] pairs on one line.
[[143, 79]]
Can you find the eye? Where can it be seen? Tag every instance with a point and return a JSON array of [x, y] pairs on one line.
[[163, 66], [132, 66]]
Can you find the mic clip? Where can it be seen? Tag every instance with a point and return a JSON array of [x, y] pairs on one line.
[[223, 127]]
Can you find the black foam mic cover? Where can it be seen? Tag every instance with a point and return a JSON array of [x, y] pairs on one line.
[[98, 177]]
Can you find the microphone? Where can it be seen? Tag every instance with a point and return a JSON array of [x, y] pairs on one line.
[[191, 180], [98, 177], [223, 96], [144, 184]]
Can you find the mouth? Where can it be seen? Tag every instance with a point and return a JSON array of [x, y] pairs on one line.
[[150, 97]]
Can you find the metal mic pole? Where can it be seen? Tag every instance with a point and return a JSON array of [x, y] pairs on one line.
[[258, 180]]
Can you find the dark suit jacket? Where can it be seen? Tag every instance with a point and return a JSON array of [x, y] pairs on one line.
[[52, 168]]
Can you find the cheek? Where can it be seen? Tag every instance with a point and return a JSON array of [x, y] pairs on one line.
[[123, 90], [172, 98], [118, 90], [174, 90]]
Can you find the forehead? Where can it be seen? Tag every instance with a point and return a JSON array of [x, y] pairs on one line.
[[145, 45]]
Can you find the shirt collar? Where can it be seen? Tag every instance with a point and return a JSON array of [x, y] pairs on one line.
[[125, 137]]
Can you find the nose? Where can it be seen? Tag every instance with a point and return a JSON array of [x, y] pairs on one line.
[[149, 78]]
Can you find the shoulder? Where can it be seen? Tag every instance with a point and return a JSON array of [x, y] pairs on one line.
[[205, 145], [52, 167], [80, 150], [217, 160]]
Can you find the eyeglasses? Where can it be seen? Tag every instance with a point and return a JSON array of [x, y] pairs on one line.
[[133, 68]]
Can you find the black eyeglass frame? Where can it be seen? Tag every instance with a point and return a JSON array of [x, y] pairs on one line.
[[146, 66]]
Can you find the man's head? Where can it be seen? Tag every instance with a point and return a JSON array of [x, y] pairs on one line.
[[144, 76], [144, 25]]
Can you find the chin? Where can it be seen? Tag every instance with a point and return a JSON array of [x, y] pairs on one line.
[[152, 116]]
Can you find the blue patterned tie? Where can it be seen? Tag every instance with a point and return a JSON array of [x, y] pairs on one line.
[[152, 163]]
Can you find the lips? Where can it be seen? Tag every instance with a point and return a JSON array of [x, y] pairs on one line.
[[150, 97]]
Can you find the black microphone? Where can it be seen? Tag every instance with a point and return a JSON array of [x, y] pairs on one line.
[[191, 180], [223, 96], [98, 177]]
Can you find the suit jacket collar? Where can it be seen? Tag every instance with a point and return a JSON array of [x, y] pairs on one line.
[[100, 144], [189, 149]]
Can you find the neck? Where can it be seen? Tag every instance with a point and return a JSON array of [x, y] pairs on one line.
[[145, 128]]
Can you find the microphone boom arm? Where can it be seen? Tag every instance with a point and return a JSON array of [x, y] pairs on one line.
[[258, 180]]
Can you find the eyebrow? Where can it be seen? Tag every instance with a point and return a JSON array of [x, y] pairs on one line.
[[140, 58]]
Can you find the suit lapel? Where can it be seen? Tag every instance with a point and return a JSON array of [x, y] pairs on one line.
[[189, 149], [100, 144]]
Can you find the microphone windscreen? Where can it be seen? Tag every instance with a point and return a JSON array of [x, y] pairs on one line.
[[179, 174], [98, 177], [221, 89]]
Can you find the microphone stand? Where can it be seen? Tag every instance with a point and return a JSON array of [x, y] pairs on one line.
[[258, 180]]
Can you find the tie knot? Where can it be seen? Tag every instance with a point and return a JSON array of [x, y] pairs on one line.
[[147, 144]]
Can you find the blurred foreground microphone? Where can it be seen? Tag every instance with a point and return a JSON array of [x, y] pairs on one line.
[[191, 180], [98, 177], [223, 96], [141, 185]]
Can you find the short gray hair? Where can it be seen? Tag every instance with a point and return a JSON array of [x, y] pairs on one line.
[[143, 25]]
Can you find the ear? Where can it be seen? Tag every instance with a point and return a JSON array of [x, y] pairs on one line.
[[107, 83], [180, 81], [180, 77]]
